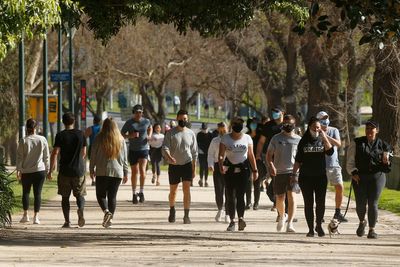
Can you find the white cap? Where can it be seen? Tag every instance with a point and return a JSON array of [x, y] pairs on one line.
[[321, 115]]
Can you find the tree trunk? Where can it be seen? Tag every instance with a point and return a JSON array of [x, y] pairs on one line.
[[386, 94]]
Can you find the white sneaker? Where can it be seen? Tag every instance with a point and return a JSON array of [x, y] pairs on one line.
[[227, 219], [281, 223], [218, 216], [290, 228], [25, 219], [36, 219]]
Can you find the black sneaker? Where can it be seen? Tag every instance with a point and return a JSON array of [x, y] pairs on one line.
[[242, 224], [310, 234], [361, 228], [141, 197], [107, 219], [372, 234], [320, 231], [255, 206], [93, 183], [338, 216], [186, 220], [171, 217], [81, 219], [66, 225], [248, 206], [231, 227], [135, 198]]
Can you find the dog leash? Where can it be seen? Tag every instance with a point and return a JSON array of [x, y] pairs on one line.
[[348, 200]]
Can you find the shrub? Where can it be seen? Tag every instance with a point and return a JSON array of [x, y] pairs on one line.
[[7, 201]]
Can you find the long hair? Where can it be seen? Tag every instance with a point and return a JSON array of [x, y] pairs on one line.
[[310, 122], [110, 138]]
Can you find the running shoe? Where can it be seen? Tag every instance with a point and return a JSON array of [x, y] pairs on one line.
[[338, 216], [290, 228], [231, 227], [361, 228], [81, 219], [206, 184], [153, 179], [372, 234], [107, 219], [248, 206], [24, 219], [281, 223], [36, 219], [242, 225], [135, 198], [201, 183], [66, 225], [218, 216], [171, 217], [310, 233], [227, 218], [141, 197], [186, 220], [255, 206], [320, 231], [157, 183]]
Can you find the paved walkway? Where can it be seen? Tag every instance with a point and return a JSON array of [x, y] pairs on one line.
[[141, 235]]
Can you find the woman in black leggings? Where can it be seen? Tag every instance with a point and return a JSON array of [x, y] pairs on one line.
[[367, 162], [109, 164], [310, 159]]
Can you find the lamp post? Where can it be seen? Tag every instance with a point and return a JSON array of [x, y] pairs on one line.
[[21, 89]]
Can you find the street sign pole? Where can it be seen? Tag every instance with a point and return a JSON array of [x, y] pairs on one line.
[[59, 90], [71, 79], [83, 103], [21, 89], [45, 91]]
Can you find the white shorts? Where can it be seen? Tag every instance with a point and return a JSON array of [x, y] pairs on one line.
[[334, 175]]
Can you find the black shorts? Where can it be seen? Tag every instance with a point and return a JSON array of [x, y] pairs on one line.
[[134, 156], [282, 184], [179, 173]]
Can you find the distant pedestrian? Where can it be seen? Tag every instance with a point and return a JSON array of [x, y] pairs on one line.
[[156, 142], [109, 164], [180, 150], [219, 182], [91, 133], [204, 138], [138, 130], [32, 166], [70, 144], [237, 150]]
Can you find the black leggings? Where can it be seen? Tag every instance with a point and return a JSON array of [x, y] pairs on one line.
[[368, 191], [236, 186], [80, 202], [106, 189], [36, 179], [203, 166], [219, 187], [155, 157], [310, 186]]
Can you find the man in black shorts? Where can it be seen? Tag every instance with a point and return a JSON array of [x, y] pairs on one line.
[[70, 144], [180, 150]]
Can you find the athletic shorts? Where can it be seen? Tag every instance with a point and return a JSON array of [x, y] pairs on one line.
[[76, 184], [334, 175], [180, 173], [282, 184], [134, 156]]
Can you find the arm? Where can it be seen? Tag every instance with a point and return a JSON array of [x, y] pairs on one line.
[[20, 158], [53, 160], [166, 149], [125, 163], [269, 158], [210, 156], [221, 156], [93, 160], [327, 144], [149, 132], [260, 146], [252, 159], [351, 162], [194, 155], [46, 156]]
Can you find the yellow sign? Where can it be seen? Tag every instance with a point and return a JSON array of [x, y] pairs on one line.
[[35, 107]]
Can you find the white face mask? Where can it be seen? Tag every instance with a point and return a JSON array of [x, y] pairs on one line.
[[314, 134]]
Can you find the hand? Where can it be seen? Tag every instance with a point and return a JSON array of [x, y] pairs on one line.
[[172, 160], [356, 178], [193, 174], [293, 179], [134, 135], [385, 158], [211, 169], [49, 176], [125, 179], [255, 175], [92, 176], [19, 175], [222, 170], [272, 170]]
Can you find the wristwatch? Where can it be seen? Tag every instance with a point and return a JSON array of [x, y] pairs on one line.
[[255, 170]]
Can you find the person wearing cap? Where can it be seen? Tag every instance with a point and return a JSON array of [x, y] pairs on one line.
[[367, 162], [271, 128], [333, 169], [138, 130], [204, 138], [218, 178]]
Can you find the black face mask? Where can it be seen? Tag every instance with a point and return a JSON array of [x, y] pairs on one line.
[[182, 123], [288, 128], [237, 128]]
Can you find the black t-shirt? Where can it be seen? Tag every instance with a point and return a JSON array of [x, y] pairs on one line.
[[204, 141], [71, 143], [270, 129], [311, 154]]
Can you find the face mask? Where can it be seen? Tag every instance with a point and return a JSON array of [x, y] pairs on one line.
[[237, 128], [182, 123], [276, 115], [253, 126], [324, 122], [314, 134], [288, 127]]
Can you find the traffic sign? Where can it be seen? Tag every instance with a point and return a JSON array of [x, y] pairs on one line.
[[60, 76]]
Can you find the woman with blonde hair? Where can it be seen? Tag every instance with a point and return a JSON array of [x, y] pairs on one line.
[[109, 165]]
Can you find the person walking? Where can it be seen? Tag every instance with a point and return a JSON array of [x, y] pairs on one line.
[[155, 143], [310, 159], [333, 169], [33, 163], [91, 133], [218, 178], [203, 138], [180, 150], [109, 165], [70, 145], [138, 130], [280, 158], [237, 150], [367, 161]]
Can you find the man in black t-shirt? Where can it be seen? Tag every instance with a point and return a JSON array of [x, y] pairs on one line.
[[204, 138], [70, 144]]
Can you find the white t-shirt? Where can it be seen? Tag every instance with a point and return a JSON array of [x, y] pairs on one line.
[[236, 150], [156, 140]]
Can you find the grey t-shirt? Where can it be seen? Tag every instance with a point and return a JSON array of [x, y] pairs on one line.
[[141, 126], [333, 161], [284, 149], [182, 145]]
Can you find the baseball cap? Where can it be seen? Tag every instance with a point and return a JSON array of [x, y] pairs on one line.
[[277, 109], [137, 108], [372, 123], [321, 115]]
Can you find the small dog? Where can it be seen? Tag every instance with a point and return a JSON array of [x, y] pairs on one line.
[[333, 227]]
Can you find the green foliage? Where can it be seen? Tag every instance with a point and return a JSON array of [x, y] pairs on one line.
[[7, 201], [8, 111]]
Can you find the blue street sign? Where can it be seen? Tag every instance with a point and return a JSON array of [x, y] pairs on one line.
[[60, 76]]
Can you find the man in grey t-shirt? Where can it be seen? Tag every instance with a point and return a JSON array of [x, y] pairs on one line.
[[333, 169], [138, 130], [280, 160]]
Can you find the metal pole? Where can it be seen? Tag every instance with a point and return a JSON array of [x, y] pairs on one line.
[[21, 89], [71, 79], [45, 91], [59, 90], [198, 106]]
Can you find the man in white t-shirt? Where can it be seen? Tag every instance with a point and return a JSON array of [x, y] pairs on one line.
[[333, 169]]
